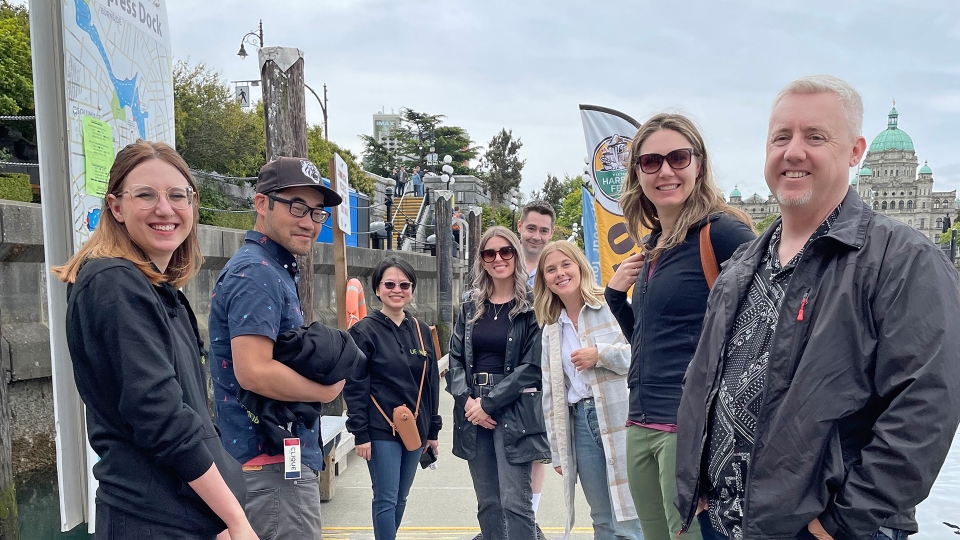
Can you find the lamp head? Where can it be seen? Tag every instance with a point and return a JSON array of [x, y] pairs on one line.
[[243, 52]]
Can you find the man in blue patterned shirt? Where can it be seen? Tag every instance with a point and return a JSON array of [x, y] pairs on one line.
[[254, 300]]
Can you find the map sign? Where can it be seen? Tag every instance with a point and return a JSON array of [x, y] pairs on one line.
[[118, 75]]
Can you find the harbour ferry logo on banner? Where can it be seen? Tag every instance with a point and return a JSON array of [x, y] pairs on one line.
[[610, 162]]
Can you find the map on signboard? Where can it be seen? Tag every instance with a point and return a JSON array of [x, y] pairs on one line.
[[118, 70]]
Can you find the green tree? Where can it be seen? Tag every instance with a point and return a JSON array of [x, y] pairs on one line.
[[553, 192], [415, 135], [16, 70], [377, 158], [945, 236], [320, 150], [762, 225], [499, 215], [570, 208], [501, 165], [454, 141], [213, 133]]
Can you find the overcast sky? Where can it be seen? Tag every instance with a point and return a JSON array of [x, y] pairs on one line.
[[527, 65]]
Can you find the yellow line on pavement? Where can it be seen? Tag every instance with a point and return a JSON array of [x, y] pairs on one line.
[[447, 529]]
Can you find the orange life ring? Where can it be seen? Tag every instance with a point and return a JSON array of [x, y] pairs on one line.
[[356, 305]]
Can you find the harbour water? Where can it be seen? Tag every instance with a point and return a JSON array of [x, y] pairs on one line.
[[939, 515]]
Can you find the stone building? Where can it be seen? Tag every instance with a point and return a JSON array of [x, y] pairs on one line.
[[756, 206], [889, 182]]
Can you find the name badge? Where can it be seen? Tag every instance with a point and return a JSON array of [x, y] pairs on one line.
[[291, 459]]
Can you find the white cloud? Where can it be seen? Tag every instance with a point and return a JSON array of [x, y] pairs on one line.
[[527, 66]]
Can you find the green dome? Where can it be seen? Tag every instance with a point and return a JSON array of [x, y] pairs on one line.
[[735, 192], [925, 169], [853, 182], [893, 138], [866, 172]]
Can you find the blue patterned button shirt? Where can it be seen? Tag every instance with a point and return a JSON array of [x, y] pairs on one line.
[[255, 294]]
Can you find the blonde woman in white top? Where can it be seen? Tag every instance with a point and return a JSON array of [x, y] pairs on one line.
[[585, 395]]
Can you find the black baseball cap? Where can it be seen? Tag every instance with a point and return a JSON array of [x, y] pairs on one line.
[[289, 172]]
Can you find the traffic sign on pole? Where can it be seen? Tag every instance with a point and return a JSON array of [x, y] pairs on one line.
[[342, 187], [243, 95]]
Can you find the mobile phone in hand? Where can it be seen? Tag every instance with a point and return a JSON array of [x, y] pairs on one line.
[[428, 458]]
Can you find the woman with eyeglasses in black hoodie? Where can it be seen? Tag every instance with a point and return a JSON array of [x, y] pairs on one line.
[[400, 354]]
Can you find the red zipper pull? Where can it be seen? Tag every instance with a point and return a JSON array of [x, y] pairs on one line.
[[803, 304]]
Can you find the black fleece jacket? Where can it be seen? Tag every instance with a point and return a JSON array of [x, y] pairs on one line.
[[391, 373], [317, 352], [137, 364], [664, 321]]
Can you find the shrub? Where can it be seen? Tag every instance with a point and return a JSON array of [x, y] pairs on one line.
[[15, 187]]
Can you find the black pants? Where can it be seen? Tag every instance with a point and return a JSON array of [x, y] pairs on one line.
[[115, 524]]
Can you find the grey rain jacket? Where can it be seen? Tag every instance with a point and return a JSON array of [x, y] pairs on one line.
[[862, 397], [518, 413]]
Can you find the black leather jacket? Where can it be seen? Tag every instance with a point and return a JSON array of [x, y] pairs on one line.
[[518, 413], [862, 396]]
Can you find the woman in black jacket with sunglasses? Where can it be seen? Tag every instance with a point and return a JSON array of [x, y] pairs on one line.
[[495, 379], [400, 369]]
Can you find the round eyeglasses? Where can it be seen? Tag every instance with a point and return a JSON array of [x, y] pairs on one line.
[[146, 197]]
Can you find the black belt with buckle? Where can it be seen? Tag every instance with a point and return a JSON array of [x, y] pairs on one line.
[[487, 379], [581, 403]]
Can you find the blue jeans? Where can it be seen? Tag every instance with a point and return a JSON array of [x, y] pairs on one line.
[[592, 470], [709, 533], [505, 508], [392, 468]]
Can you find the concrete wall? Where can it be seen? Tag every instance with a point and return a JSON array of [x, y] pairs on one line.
[[24, 337]]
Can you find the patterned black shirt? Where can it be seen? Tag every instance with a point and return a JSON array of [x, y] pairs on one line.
[[744, 372]]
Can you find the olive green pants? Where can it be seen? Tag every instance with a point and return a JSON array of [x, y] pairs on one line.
[[651, 472]]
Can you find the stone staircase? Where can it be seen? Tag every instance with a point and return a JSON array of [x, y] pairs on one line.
[[408, 209]]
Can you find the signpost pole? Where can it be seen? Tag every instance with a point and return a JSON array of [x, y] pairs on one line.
[[339, 251]]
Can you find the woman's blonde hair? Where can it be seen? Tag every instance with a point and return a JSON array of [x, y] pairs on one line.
[[483, 283], [111, 239], [705, 199], [546, 304]]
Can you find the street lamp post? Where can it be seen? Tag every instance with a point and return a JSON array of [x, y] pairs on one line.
[[255, 34], [388, 224], [323, 107], [255, 38], [447, 169]]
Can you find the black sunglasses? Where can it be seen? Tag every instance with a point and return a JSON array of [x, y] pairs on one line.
[[299, 209], [490, 255], [678, 159], [404, 285]]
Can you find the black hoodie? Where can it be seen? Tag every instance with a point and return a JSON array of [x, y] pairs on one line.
[[137, 363], [395, 360]]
